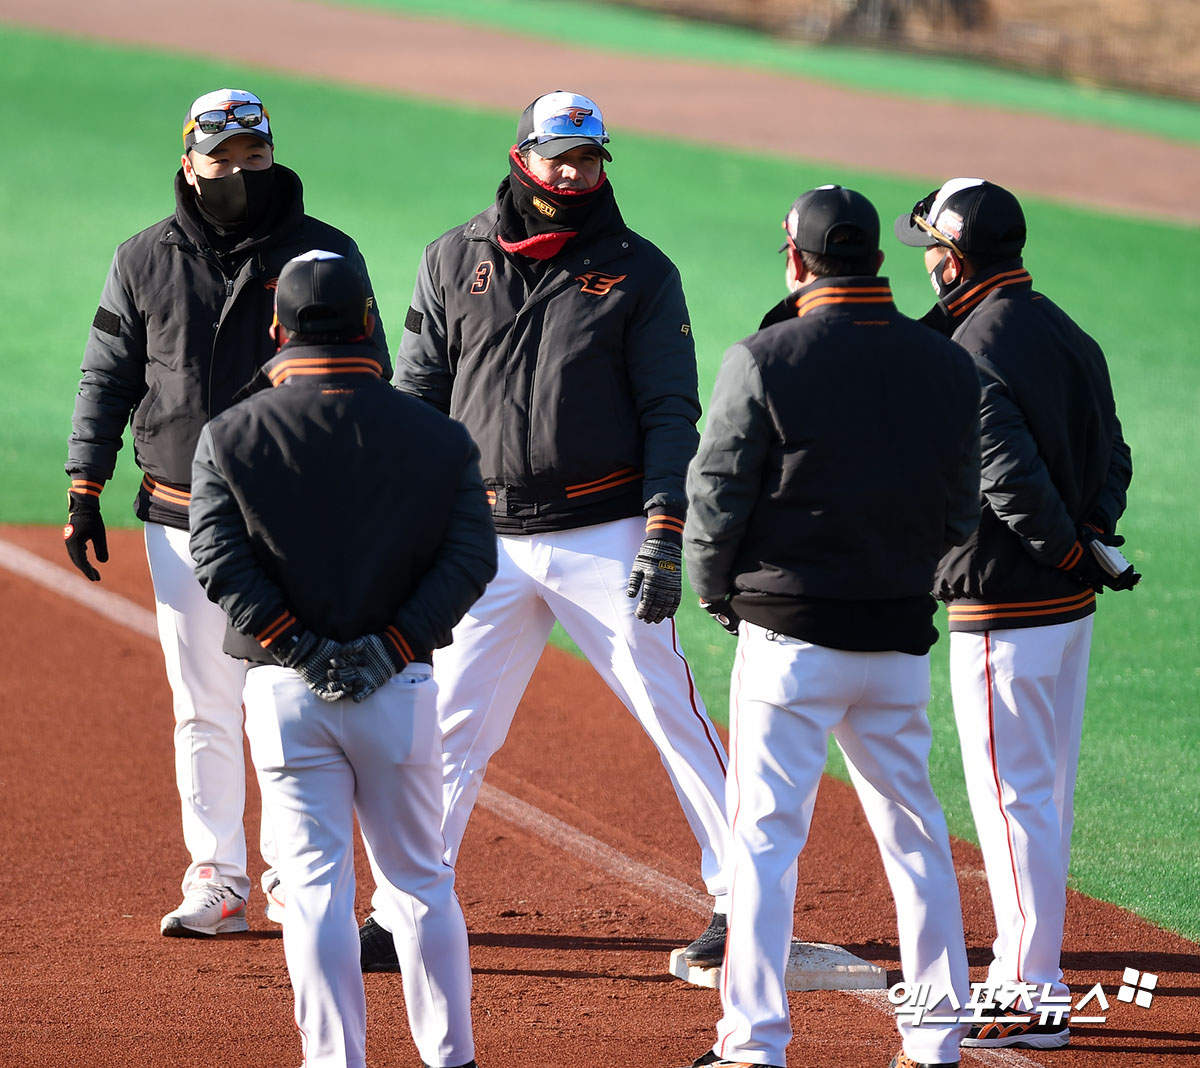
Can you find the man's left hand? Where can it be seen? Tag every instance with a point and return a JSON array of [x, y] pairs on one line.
[[657, 573]]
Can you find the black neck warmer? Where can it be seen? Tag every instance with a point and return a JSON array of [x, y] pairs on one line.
[[536, 220]]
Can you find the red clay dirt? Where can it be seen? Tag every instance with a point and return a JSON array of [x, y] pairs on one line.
[[569, 961]]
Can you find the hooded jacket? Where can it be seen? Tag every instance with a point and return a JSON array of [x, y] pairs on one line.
[[1053, 455], [180, 329], [577, 378]]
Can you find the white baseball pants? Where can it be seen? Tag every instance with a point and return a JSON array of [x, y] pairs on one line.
[[319, 763], [786, 697], [206, 687], [1018, 700], [577, 577]]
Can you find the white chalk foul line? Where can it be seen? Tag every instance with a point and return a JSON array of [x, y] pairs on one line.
[[75, 587], [570, 840]]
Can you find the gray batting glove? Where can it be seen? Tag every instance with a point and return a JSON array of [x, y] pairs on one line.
[[362, 666], [312, 658], [659, 576]]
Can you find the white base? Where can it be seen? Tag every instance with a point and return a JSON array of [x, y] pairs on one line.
[[811, 966]]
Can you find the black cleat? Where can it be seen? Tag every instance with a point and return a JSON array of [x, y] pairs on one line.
[[708, 951], [377, 948]]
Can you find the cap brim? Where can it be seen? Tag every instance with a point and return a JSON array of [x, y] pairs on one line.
[[205, 147], [558, 145], [907, 234]]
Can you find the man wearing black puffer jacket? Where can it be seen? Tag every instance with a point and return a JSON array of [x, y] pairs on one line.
[[1021, 591], [182, 326], [561, 339]]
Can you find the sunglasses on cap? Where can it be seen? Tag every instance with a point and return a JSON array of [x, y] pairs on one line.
[[570, 122], [245, 115], [920, 220]]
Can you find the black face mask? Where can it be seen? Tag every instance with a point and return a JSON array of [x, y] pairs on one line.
[[237, 200], [943, 289]]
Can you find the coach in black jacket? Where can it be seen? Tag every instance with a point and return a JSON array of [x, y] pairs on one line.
[[839, 461], [181, 327], [343, 528], [1021, 592], [561, 339]]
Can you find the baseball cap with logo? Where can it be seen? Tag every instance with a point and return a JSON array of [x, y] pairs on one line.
[[222, 114], [832, 220], [968, 216], [321, 293], [560, 121]]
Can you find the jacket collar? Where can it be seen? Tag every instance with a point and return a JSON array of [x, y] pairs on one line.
[[1007, 276], [356, 360], [837, 294]]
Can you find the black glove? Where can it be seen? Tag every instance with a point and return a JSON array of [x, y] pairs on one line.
[[362, 666], [1101, 565], [658, 574], [84, 524], [312, 658], [722, 611]]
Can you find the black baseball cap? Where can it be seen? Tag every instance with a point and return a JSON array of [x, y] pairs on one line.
[[833, 220], [560, 121], [321, 293], [967, 215]]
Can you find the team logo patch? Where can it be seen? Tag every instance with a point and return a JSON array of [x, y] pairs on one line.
[[549, 210], [577, 115], [68, 530], [483, 278], [685, 329], [271, 283], [951, 224], [597, 283]]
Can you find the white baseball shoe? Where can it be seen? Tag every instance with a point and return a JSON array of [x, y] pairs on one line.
[[272, 886], [207, 910]]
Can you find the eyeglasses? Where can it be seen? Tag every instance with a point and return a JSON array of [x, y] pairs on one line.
[[245, 115], [921, 221], [570, 122]]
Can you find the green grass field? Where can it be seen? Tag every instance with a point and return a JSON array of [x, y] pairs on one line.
[[83, 177]]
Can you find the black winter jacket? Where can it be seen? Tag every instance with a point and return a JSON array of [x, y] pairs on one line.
[[179, 331], [580, 389], [334, 504], [839, 461], [1053, 455]]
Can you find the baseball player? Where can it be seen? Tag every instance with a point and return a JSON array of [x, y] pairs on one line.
[[840, 459], [561, 339], [1022, 591], [295, 497], [181, 327]]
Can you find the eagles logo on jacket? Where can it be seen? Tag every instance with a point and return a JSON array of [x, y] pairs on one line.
[[576, 378]]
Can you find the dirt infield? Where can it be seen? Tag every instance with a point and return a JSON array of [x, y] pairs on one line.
[[569, 960]]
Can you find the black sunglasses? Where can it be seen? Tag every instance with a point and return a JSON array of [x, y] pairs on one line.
[[245, 115]]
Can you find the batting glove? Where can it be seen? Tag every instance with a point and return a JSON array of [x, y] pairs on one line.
[[658, 574], [84, 524], [312, 658], [722, 611], [363, 665]]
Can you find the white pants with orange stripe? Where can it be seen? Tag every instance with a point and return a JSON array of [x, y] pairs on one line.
[[206, 688], [786, 698], [319, 764], [577, 577], [1018, 700]]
